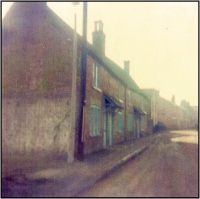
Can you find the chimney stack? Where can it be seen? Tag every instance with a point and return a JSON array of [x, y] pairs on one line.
[[99, 38], [127, 66]]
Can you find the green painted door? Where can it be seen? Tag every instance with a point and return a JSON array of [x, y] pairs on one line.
[[108, 128]]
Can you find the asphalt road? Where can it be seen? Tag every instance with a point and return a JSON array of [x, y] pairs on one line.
[[169, 168]]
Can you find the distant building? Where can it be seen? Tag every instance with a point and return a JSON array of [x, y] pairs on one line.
[[191, 113], [195, 118], [167, 113], [153, 95]]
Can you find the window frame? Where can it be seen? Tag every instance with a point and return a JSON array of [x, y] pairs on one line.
[[96, 81]]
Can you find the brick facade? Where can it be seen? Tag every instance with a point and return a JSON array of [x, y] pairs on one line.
[[36, 81]]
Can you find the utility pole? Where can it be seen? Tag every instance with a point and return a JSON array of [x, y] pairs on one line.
[[80, 148], [72, 133]]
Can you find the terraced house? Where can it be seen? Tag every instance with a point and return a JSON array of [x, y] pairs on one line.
[[37, 65], [116, 106]]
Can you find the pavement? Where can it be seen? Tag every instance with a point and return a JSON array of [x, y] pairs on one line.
[[57, 178]]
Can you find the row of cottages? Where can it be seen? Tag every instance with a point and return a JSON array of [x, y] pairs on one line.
[[169, 114], [37, 59], [115, 106]]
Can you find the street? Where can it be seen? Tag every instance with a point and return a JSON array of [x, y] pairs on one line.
[[169, 168]]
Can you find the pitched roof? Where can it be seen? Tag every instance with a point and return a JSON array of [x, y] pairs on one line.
[[21, 14], [116, 70]]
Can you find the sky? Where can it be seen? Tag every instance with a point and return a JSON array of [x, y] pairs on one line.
[[160, 39]]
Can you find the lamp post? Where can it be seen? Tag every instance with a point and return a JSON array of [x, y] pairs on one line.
[[71, 139]]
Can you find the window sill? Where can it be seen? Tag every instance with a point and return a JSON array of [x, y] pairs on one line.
[[97, 89]]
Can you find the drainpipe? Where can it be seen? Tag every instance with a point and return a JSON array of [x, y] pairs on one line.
[[80, 147]]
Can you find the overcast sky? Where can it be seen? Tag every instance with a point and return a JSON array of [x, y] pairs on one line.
[[159, 38]]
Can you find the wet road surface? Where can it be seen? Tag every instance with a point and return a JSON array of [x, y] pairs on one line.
[[169, 168]]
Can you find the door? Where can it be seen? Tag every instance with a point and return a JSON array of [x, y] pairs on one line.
[[108, 128], [137, 126]]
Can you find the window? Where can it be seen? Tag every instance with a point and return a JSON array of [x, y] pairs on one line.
[[120, 122], [95, 120], [121, 93], [130, 122], [96, 75], [130, 97], [142, 103]]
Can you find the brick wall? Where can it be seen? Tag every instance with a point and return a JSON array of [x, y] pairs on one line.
[[36, 84], [110, 87]]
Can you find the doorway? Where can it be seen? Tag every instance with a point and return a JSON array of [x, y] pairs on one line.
[[108, 127]]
